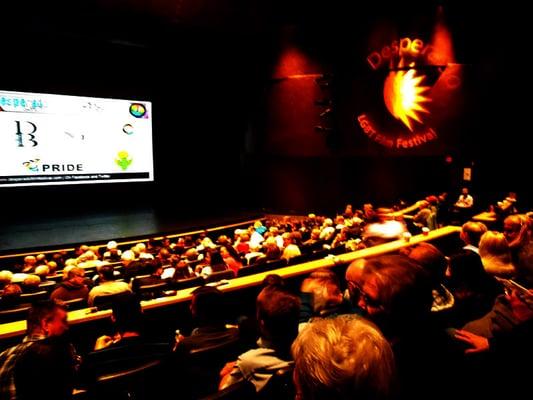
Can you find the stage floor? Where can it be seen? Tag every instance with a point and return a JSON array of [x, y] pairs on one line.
[[62, 231]]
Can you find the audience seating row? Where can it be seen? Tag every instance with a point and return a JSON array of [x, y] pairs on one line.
[[184, 288]]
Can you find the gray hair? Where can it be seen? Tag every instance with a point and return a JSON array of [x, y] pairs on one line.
[[342, 358]]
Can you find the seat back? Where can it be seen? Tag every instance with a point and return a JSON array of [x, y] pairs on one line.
[[105, 302], [201, 367], [75, 304], [253, 269], [217, 276], [16, 313], [274, 264], [188, 283], [135, 382], [152, 291], [243, 390], [33, 297], [48, 286], [280, 386]]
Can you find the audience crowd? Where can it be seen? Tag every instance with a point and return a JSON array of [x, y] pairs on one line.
[[421, 322]]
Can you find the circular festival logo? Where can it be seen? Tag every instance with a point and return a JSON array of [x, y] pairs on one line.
[[138, 110], [417, 76]]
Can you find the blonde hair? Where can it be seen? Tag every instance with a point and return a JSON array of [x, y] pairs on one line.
[[343, 358], [32, 280], [5, 277], [42, 270], [495, 254]]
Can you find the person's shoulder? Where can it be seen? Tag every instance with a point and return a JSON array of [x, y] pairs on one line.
[[257, 357]]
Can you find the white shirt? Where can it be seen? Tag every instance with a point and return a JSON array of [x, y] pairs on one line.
[[106, 288], [471, 248], [465, 201]]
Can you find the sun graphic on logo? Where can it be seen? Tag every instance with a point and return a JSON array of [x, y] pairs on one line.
[[404, 95]]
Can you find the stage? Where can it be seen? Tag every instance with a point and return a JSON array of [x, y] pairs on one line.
[[58, 230]]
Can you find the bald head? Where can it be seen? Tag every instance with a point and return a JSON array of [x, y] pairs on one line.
[[471, 232], [354, 272]]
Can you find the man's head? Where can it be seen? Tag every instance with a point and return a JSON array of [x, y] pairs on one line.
[[31, 282], [106, 272], [354, 278], [430, 258], [76, 275], [47, 318], [512, 225], [52, 266], [30, 261], [464, 191], [277, 314], [471, 232], [141, 247], [127, 257], [396, 294], [11, 294], [207, 306], [42, 271], [154, 267], [127, 314], [342, 358], [324, 287]]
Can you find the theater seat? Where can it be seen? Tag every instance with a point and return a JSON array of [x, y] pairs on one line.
[[197, 371], [253, 269], [48, 285], [16, 313], [130, 383], [148, 292], [243, 390], [33, 297], [280, 386], [188, 283], [218, 276], [105, 302], [75, 304], [274, 264]]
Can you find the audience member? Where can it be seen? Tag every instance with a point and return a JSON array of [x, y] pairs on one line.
[[496, 255], [31, 284], [397, 296], [518, 232], [5, 278], [127, 346], [277, 315], [208, 310], [435, 264], [44, 364], [10, 296], [73, 288], [342, 358], [465, 200], [108, 285], [113, 253]]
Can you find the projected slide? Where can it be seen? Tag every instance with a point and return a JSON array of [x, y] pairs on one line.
[[48, 139]]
